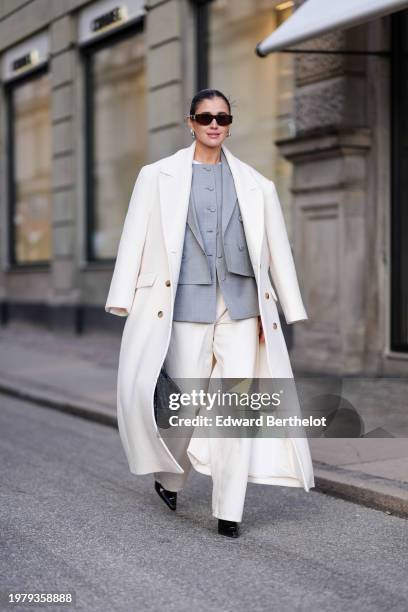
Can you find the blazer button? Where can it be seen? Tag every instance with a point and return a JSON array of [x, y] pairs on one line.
[[167, 283], [267, 295], [160, 313], [274, 325]]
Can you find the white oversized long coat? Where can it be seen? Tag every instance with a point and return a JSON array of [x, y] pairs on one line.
[[143, 288]]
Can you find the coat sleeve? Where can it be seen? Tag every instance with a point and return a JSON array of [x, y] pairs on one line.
[[131, 243], [282, 266]]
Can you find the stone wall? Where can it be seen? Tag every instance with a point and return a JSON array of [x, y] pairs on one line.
[[340, 186]]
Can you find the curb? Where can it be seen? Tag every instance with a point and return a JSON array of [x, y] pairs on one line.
[[50, 399], [383, 494]]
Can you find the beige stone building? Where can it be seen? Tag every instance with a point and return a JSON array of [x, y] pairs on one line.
[[91, 91], [350, 173]]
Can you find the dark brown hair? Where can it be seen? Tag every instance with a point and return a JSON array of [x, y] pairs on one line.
[[205, 94]]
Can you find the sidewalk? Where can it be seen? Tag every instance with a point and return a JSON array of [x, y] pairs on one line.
[[77, 374]]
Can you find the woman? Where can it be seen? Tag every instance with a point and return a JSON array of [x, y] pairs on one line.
[[191, 275]]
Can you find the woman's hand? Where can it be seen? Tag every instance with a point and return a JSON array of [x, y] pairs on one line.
[[261, 334]]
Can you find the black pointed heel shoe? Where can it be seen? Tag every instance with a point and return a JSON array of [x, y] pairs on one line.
[[169, 497], [228, 528]]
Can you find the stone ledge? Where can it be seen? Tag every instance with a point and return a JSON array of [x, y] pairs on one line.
[[321, 142]]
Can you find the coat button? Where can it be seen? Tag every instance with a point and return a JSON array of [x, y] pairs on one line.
[[274, 325], [240, 217], [167, 283], [160, 313], [267, 295]]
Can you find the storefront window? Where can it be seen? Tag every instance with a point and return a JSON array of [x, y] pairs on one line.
[[261, 89], [117, 136], [30, 169]]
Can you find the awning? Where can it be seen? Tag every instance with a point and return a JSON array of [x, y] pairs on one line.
[[316, 17]]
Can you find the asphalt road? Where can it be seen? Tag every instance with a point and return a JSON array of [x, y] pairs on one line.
[[73, 518]]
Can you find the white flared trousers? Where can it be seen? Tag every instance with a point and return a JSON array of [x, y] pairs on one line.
[[194, 347]]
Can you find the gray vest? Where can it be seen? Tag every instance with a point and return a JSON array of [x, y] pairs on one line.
[[214, 248]]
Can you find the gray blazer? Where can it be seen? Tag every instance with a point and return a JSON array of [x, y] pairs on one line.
[[214, 249]]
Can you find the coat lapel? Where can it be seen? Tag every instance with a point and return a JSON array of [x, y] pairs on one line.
[[175, 178], [251, 203]]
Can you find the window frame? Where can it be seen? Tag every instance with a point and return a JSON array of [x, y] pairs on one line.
[[201, 24], [399, 27]]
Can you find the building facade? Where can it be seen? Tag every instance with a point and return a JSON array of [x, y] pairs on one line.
[[91, 91], [349, 185]]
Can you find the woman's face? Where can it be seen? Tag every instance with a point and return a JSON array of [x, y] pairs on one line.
[[211, 135]]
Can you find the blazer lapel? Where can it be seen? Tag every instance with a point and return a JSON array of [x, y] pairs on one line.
[[228, 193], [192, 220]]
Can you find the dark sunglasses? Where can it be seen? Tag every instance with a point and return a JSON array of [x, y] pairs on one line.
[[206, 118]]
